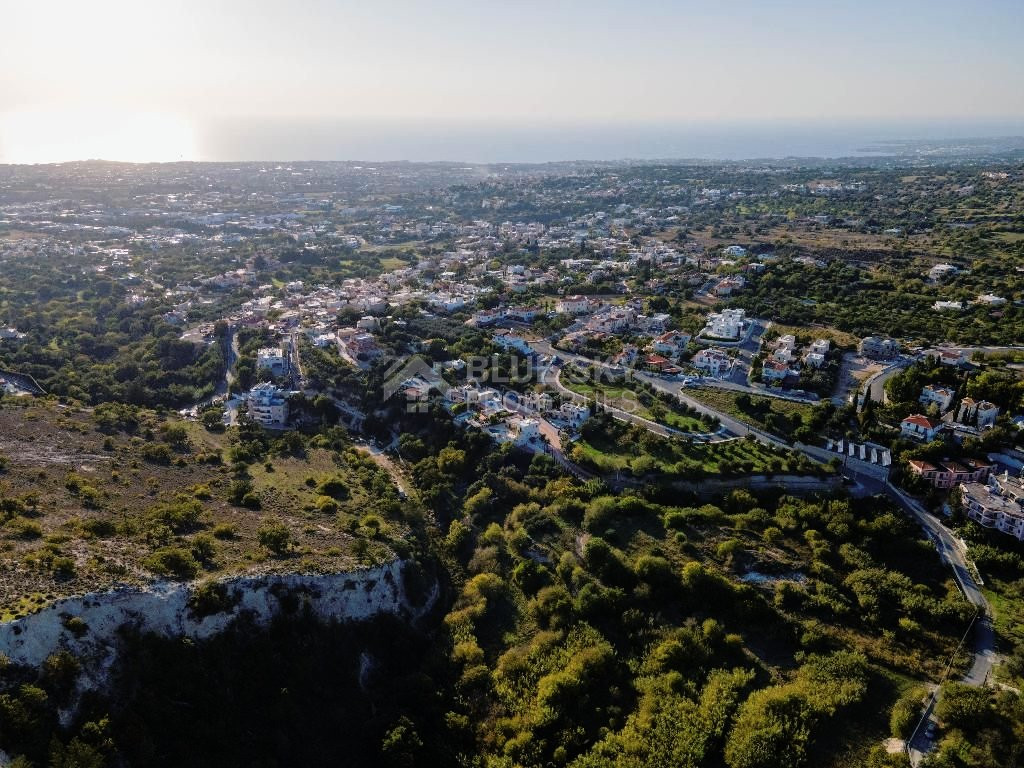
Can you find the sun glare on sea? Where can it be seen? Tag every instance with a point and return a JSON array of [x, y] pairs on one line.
[[64, 135]]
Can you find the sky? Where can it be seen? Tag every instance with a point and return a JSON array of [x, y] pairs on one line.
[[169, 80]]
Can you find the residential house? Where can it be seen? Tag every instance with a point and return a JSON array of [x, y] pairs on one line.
[[671, 344], [773, 370], [983, 413], [949, 474], [814, 359], [488, 316], [878, 348], [654, 323], [727, 324], [575, 414], [574, 305], [727, 286], [920, 427], [712, 361], [510, 342], [954, 357], [612, 321], [524, 430], [272, 359], [660, 364], [523, 314], [820, 347], [987, 414], [358, 346], [939, 396], [990, 300], [537, 401], [942, 271]]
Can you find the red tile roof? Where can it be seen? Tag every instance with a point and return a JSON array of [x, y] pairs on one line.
[[921, 421]]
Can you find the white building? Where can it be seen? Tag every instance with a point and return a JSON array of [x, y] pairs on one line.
[[941, 271], [782, 354], [814, 359], [786, 342], [574, 305], [773, 370], [575, 414], [268, 405], [877, 348], [671, 344], [987, 414], [727, 324], [997, 504], [272, 359], [537, 401], [510, 341], [991, 300], [821, 347], [712, 361], [940, 396], [524, 431], [368, 323], [918, 427]]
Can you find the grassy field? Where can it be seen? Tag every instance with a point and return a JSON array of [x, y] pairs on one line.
[[391, 262], [837, 337], [82, 510]]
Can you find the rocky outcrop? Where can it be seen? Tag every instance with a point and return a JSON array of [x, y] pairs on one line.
[[87, 626]]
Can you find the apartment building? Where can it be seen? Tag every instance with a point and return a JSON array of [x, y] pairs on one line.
[[997, 504]]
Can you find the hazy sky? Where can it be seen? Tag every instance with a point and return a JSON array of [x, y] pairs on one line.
[[545, 61]]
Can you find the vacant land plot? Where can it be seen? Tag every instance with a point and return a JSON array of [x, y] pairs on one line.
[[771, 413], [640, 404]]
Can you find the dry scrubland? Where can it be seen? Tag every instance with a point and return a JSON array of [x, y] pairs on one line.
[[84, 510]]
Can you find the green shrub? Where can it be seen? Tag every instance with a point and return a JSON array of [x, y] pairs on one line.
[[98, 527], [210, 598], [156, 453], [75, 625], [173, 563], [335, 487], [275, 537], [181, 515], [23, 528]]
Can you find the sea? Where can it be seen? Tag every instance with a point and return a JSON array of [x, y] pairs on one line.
[[500, 141]]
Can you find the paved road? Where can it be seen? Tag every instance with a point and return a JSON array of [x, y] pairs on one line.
[[953, 553], [876, 383]]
